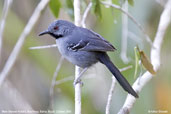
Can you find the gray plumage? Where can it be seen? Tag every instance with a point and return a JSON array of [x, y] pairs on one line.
[[83, 48]]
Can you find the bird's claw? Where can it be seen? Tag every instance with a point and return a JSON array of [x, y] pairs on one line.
[[76, 81]]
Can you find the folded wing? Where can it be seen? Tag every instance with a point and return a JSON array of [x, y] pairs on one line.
[[92, 41]]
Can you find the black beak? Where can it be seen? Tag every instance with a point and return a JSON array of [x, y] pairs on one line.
[[44, 32]]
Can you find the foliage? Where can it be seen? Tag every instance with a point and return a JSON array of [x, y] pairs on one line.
[[96, 8], [131, 2], [55, 6], [141, 56]]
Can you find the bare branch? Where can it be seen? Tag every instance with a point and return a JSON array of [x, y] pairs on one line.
[[85, 14], [109, 100], [124, 39], [147, 38], [54, 81], [77, 16], [44, 47], [125, 68], [7, 5], [13, 56], [77, 92], [69, 78], [64, 80], [165, 20]]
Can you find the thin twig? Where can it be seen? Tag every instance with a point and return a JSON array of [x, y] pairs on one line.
[[13, 56], [54, 81], [147, 38], [64, 80], [124, 39], [44, 47], [165, 20], [7, 5], [69, 78], [125, 68], [86, 14], [109, 99]]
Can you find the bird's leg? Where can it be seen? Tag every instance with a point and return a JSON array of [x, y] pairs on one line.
[[78, 79]]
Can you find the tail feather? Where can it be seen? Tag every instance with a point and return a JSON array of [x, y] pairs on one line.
[[104, 58]]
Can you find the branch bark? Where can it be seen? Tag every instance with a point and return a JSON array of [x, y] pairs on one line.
[[77, 16], [44, 47], [109, 100], [13, 56], [165, 20]]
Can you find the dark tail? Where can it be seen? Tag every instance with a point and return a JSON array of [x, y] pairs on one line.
[[104, 58]]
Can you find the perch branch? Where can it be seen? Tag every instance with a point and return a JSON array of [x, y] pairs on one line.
[[77, 16]]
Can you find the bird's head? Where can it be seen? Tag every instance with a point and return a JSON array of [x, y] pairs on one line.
[[59, 28]]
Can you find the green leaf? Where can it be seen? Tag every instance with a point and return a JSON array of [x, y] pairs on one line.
[[146, 63], [140, 55], [136, 61], [131, 2], [117, 2], [55, 6], [96, 8]]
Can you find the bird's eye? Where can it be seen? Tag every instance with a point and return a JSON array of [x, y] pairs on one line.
[[55, 28]]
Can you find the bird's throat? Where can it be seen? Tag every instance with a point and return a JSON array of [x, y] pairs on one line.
[[56, 36]]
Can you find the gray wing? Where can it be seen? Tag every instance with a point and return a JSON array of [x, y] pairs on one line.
[[92, 41], [94, 44]]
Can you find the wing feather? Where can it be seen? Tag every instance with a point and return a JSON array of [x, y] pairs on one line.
[[88, 40], [95, 42]]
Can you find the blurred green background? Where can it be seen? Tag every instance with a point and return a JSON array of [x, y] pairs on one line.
[[32, 73]]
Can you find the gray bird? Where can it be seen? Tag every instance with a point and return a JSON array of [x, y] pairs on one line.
[[83, 48]]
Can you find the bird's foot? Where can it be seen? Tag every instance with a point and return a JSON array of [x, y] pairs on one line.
[[76, 81]]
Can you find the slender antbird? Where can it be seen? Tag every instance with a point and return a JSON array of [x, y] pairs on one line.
[[83, 48]]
